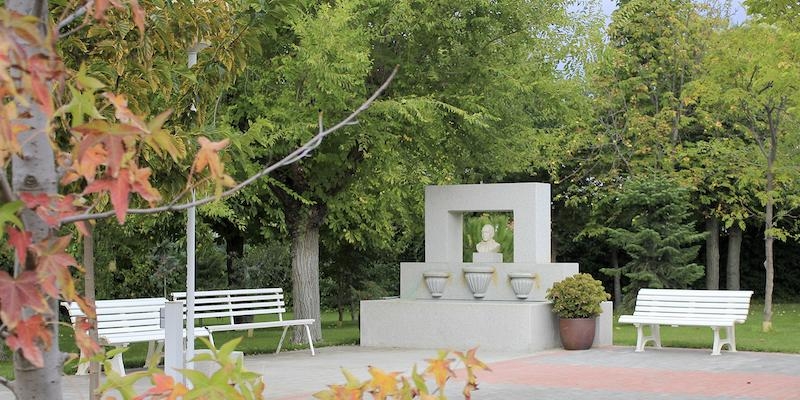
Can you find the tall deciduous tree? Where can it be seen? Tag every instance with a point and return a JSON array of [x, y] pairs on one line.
[[464, 107], [754, 72]]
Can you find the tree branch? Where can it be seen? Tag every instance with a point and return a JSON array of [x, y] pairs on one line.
[[75, 14], [291, 158], [6, 192]]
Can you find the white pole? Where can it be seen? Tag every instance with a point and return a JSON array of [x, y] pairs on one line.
[[173, 350], [190, 248], [190, 273]]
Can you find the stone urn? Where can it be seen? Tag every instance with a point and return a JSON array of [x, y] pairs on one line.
[[522, 283], [478, 279], [436, 281]]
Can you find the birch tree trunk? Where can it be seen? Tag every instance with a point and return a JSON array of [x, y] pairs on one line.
[[734, 258], [305, 272], [712, 253], [35, 172]]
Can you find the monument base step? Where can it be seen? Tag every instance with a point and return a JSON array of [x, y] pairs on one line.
[[460, 325]]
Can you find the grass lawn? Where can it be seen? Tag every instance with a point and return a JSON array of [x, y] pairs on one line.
[[262, 341], [785, 337]]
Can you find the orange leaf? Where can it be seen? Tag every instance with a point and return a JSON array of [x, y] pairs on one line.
[[52, 265], [123, 113], [100, 7], [88, 346], [16, 294], [207, 156], [141, 184], [20, 241], [24, 337], [383, 384], [440, 368], [471, 363], [112, 137], [165, 388]]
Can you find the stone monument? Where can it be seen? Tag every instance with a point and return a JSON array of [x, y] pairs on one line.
[[446, 302]]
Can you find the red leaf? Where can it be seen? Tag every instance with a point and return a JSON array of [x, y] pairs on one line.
[[16, 294], [52, 265], [119, 188], [32, 200], [88, 346], [138, 15], [20, 241], [112, 136], [100, 7], [25, 337]]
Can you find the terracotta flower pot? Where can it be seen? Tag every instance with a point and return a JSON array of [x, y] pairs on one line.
[[577, 333]]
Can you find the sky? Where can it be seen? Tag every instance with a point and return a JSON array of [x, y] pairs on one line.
[[739, 13]]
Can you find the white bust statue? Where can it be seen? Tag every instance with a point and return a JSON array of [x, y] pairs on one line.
[[487, 244]]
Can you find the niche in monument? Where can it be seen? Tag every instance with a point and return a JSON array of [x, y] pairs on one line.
[[488, 236]]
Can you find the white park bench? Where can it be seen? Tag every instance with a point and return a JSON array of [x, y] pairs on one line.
[[718, 309], [125, 321], [232, 303]]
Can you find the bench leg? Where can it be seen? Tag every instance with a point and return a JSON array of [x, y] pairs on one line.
[[83, 367], [153, 348], [310, 342], [641, 339], [730, 340], [117, 365], [283, 335]]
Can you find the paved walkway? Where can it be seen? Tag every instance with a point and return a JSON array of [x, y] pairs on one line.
[[601, 373]]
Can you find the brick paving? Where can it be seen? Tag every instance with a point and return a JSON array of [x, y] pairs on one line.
[[613, 373]]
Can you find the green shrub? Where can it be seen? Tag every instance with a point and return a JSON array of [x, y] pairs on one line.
[[577, 296]]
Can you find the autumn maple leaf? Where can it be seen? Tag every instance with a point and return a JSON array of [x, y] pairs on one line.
[[208, 155], [16, 294], [440, 368], [20, 241], [165, 388], [471, 363], [52, 264], [383, 384], [136, 179], [24, 337]]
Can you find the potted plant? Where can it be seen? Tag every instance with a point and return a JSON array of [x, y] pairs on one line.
[[576, 301]]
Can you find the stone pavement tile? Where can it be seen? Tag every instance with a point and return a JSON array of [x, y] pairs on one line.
[[615, 373]]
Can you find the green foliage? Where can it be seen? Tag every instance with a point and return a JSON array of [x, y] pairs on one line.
[[229, 381], [265, 265], [503, 224], [650, 218], [577, 296]]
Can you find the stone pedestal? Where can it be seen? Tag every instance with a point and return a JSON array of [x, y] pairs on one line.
[[461, 325]]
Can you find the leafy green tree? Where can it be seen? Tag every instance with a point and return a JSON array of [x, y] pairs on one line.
[[752, 80], [653, 225], [460, 110]]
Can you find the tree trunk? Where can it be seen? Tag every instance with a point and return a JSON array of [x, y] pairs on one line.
[[35, 172], [712, 253], [769, 222], [734, 258], [305, 273], [617, 280], [89, 283], [766, 325]]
